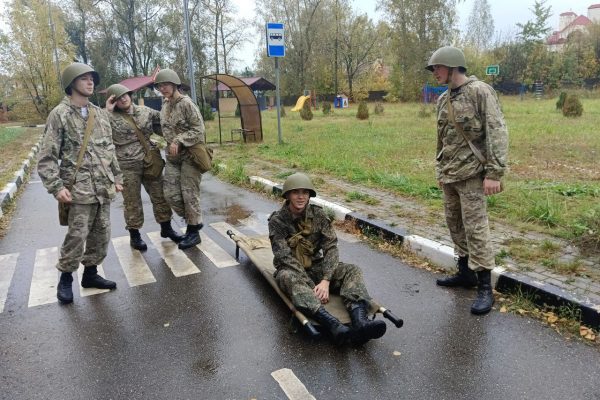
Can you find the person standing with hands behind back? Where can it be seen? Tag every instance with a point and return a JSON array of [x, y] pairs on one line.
[[182, 128], [472, 149]]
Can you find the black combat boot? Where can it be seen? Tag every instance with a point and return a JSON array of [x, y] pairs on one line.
[[136, 240], [465, 276], [364, 329], [91, 279], [64, 289], [340, 333], [485, 298], [191, 238], [166, 231]]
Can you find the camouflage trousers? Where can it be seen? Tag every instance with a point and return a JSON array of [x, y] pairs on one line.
[[87, 237], [133, 179], [347, 280], [466, 216], [182, 189]]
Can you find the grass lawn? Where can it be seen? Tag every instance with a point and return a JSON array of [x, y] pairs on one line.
[[15, 145], [553, 184]]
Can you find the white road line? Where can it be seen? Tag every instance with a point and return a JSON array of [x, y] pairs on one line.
[[134, 266], [291, 385], [215, 253], [254, 224], [8, 263], [175, 259], [223, 227], [88, 291], [45, 277]]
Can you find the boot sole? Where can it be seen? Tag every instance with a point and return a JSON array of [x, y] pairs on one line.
[[176, 239], [88, 286], [481, 312], [189, 246], [64, 301]]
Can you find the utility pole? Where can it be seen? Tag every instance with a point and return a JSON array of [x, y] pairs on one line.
[[188, 44], [56, 63]]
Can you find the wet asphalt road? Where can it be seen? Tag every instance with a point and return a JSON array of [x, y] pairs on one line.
[[220, 333]]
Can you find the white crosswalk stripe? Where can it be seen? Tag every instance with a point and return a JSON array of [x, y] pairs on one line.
[[134, 266], [215, 253], [45, 277], [175, 259], [8, 263]]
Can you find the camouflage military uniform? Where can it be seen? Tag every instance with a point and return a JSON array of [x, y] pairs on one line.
[[89, 218], [298, 281], [477, 110], [130, 153], [182, 123]]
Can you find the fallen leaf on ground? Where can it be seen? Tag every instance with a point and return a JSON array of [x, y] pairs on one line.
[[552, 319], [521, 311], [584, 331], [503, 309], [396, 353], [590, 336]]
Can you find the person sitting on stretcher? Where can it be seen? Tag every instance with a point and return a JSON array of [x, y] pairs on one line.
[[305, 253]]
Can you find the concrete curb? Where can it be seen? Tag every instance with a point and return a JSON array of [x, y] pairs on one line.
[[10, 190], [443, 256]]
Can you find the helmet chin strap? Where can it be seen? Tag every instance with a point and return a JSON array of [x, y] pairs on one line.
[[449, 77]]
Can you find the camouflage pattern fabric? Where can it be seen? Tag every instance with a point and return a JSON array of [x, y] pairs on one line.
[[128, 147], [182, 123], [182, 188], [94, 187], [133, 179], [291, 275], [130, 153], [63, 137], [477, 110], [466, 216], [86, 241]]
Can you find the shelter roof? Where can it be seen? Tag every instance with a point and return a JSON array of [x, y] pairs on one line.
[[255, 83]]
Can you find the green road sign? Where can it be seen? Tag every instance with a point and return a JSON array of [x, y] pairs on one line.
[[492, 70]]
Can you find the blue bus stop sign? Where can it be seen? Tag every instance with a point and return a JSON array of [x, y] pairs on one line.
[[275, 40]]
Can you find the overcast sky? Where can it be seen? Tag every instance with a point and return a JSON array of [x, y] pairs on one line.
[[506, 14]]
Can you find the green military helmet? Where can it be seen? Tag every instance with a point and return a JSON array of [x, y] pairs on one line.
[[298, 181], [75, 70], [167, 75], [449, 56], [118, 90]]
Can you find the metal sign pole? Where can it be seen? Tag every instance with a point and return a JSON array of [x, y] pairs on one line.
[[188, 44], [278, 100]]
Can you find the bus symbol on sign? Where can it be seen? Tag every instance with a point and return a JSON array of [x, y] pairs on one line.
[[492, 70], [275, 40]]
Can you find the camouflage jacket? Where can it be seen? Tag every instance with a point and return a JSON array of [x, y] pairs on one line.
[[477, 110], [282, 226], [63, 137], [181, 121], [128, 147]]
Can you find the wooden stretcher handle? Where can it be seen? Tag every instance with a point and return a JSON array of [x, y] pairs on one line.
[[390, 315]]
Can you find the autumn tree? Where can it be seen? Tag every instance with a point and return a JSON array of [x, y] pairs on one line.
[[480, 28], [418, 28], [28, 55], [357, 46]]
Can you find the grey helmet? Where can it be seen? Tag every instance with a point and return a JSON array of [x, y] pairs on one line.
[[75, 70], [118, 90], [298, 181], [449, 56], [167, 75]]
